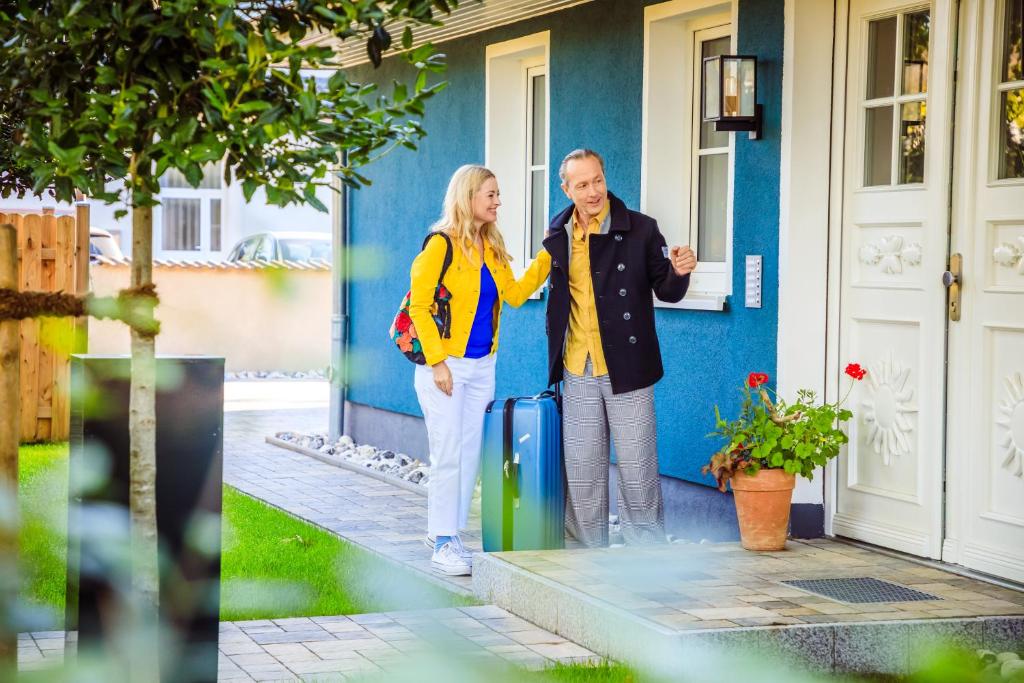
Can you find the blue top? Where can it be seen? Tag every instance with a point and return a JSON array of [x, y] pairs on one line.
[[481, 335]]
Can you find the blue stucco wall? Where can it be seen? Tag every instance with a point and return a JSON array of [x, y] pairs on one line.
[[596, 57]]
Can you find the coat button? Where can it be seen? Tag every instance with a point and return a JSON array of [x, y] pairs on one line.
[[632, 340], [622, 292], [621, 267], [618, 238], [626, 316]]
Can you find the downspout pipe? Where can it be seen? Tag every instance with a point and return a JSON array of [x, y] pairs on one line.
[[338, 373]]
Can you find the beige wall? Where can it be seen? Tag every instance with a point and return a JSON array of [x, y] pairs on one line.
[[258, 319]]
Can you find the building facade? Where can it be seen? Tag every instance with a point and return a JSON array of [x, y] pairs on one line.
[[892, 151]]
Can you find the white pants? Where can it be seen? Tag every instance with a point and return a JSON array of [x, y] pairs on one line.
[[455, 427]]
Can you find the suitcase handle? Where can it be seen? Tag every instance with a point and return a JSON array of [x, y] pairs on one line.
[[555, 393]]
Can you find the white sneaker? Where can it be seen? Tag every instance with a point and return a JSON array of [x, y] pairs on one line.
[[429, 541], [446, 560], [464, 552]]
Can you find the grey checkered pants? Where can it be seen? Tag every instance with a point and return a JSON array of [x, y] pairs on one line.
[[589, 410]]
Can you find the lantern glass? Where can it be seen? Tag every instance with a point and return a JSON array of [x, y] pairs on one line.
[[739, 87], [712, 88]]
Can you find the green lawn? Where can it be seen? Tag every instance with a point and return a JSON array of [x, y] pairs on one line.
[[273, 565]]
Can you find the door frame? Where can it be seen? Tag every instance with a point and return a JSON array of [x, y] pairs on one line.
[[833, 365]]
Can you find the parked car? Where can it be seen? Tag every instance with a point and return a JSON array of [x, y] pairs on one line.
[[102, 243], [282, 246]]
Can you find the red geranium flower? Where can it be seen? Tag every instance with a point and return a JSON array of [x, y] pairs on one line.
[[756, 379], [855, 371], [402, 322]]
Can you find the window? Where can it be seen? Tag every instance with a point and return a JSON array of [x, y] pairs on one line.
[[895, 99], [537, 153], [1010, 93], [517, 105], [686, 166], [710, 161], [190, 219]]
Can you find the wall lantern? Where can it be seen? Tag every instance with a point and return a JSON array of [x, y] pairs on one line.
[[729, 85]]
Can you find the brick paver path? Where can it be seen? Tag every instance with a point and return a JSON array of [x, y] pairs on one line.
[[408, 646]]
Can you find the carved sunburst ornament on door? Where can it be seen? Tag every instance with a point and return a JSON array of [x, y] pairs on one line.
[[886, 408], [1010, 255], [1012, 420]]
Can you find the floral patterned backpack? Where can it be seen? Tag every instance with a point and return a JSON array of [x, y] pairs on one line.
[[403, 332]]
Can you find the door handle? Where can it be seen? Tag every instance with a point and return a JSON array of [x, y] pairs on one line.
[[953, 280]]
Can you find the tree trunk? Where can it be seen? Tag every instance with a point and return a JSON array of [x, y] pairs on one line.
[[10, 432], [142, 437]]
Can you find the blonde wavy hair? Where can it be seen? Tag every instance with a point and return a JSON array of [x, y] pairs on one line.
[[457, 214]]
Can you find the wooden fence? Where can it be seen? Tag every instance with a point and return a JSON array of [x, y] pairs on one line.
[[49, 260]]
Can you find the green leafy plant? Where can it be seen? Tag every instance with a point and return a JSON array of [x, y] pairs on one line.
[[796, 437]]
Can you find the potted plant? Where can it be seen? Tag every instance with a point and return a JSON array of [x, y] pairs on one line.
[[770, 443]]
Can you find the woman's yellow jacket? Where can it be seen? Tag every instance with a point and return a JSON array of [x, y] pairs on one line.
[[463, 281]]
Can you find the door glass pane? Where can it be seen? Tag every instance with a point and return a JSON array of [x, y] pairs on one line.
[[709, 138], [181, 224], [711, 210], [915, 53], [538, 222], [214, 225], [1013, 42], [881, 57], [878, 146], [1011, 134], [539, 152], [912, 127]]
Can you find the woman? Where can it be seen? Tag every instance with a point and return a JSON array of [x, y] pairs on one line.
[[457, 383]]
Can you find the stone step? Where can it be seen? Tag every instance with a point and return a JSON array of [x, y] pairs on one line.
[[640, 606]]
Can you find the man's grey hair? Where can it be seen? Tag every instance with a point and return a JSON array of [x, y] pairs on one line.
[[578, 154]]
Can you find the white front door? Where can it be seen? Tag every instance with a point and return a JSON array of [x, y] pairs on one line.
[[897, 128], [985, 487]]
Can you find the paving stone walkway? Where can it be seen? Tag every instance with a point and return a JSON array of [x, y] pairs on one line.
[[380, 517], [400, 644]]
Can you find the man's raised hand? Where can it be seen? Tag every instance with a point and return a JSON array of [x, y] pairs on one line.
[[684, 261]]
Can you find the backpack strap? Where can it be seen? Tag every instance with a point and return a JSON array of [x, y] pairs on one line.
[[447, 252]]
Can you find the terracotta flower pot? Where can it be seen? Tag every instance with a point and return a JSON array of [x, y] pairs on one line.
[[762, 506]]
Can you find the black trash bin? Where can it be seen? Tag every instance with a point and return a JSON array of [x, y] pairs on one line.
[[189, 455]]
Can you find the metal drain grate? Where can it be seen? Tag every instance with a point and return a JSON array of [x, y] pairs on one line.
[[861, 590]]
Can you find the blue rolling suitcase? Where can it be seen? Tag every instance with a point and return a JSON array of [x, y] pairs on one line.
[[523, 495]]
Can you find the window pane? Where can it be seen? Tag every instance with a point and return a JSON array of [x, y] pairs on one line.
[[214, 225], [538, 221], [1013, 41], [912, 127], [708, 137], [881, 57], [915, 53], [539, 151], [711, 211], [181, 224], [1011, 134], [878, 146], [212, 173]]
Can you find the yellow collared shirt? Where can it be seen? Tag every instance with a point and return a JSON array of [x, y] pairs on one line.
[[584, 338]]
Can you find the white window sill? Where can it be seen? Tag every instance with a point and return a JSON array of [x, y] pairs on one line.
[[696, 301]]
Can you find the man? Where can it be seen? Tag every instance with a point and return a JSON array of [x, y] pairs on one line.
[[605, 262]]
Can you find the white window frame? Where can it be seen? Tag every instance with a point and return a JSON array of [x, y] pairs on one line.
[[205, 195], [670, 136], [529, 73], [507, 134]]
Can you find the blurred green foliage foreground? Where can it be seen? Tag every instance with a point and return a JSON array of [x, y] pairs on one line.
[[273, 565]]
